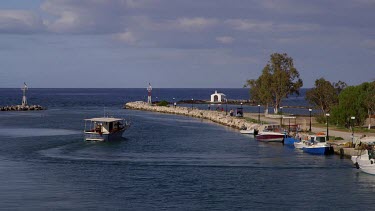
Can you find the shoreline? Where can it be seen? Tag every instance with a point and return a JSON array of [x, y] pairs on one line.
[[214, 116], [234, 122]]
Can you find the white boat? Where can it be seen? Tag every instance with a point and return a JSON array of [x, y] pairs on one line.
[[300, 145], [247, 131], [365, 161], [104, 129]]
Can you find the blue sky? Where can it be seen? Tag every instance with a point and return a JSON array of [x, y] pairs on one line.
[[179, 43]]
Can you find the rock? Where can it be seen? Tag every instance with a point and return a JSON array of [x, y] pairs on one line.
[[215, 116]]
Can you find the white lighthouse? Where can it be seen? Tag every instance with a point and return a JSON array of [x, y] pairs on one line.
[[24, 100], [149, 89]]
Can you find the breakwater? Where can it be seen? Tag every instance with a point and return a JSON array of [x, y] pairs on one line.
[[22, 108], [215, 116]]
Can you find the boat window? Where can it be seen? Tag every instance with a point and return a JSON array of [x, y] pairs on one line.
[[320, 139]]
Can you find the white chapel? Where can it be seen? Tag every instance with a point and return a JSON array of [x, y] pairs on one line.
[[217, 97]]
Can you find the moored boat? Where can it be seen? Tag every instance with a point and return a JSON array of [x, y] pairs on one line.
[[247, 131], [290, 140], [317, 145], [270, 136], [105, 129], [366, 160]]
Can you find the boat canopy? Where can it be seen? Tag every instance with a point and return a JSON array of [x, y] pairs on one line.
[[104, 119]]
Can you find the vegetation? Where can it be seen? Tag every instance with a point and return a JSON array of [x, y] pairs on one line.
[[354, 101], [325, 94], [162, 103], [279, 79]]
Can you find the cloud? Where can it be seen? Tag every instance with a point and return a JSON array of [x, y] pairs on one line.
[[267, 26], [369, 43], [248, 25], [88, 16], [225, 39], [127, 37], [20, 22], [196, 23]]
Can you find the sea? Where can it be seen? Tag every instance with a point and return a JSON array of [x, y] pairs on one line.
[[164, 162]]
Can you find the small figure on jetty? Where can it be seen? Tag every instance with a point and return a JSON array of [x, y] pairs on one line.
[[23, 106]]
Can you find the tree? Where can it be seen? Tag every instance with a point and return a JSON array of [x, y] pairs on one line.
[[279, 79], [259, 90], [369, 100], [325, 94], [357, 101], [351, 103]]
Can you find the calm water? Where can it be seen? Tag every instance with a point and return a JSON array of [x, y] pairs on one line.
[[165, 161]]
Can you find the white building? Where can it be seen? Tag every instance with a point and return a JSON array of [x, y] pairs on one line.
[[217, 97]]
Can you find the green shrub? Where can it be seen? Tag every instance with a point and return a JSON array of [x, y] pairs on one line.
[[162, 103]]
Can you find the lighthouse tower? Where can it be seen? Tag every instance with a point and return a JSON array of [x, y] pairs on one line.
[[149, 89], [24, 100]]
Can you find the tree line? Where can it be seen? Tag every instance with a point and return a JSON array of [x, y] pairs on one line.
[[280, 79]]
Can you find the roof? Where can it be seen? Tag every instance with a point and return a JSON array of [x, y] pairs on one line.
[[216, 93], [104, 119]]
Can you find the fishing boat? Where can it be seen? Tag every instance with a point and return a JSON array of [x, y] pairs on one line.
[[365, 161], [269, 136], [104, 129], [317, 145]]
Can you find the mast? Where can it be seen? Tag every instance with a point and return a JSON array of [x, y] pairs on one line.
[[24, 100], [149, 89]]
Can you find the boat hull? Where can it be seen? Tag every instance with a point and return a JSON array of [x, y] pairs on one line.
[[324, 150], [290, 141], [251, 132], [104, 137], [270, 138], [367, 166]]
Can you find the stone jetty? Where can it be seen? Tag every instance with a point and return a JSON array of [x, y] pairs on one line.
[[22, 108], [215, 116]]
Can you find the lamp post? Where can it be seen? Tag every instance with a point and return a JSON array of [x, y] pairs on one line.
[[226, 106], [174, 102], [192, 102], [352, 118], [327, 116], [281, 115], [241, 105], [258, 113], [310, 118]]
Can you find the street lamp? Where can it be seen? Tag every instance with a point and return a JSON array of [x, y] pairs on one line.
[[192, 101], [352, 118], [174, 102], [281, 115], [241, 105], [226, 106], [327, 116], [310, 118], [258, 113]]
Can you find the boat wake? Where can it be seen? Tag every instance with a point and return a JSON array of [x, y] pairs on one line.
[[33, 132]]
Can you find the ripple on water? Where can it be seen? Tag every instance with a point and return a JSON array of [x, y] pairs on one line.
[[32, 132]]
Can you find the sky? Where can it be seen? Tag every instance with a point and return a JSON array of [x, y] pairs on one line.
[[181, 43]]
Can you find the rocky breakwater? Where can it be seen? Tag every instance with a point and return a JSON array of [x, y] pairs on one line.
[[22, 108], [215, 116]]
